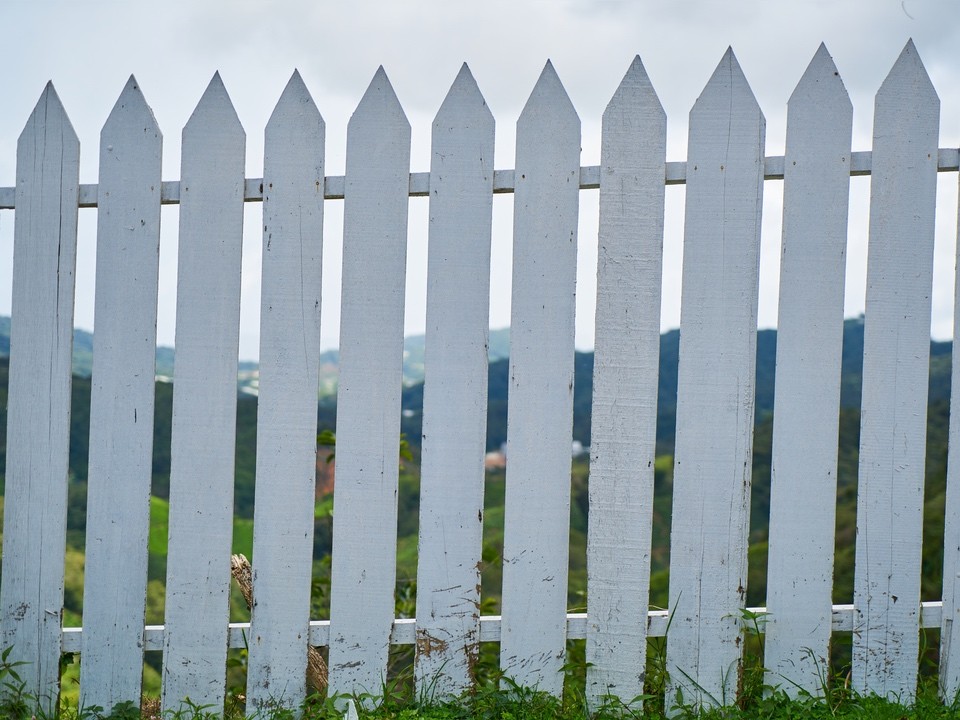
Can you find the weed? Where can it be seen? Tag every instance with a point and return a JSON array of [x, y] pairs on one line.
[[514, 702], [752, 673], [502, 697], [124, 711]]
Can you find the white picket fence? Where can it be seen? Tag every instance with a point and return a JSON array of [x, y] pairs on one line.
[[724, 175]]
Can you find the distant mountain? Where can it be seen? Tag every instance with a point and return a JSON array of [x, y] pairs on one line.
[[498, 381], [82, 347], [413, 359], [851, 379], [249, 371], [83, 351]]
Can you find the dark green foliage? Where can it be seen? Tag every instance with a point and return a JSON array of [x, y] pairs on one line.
[[498, 383], [246, 456], [162, 428]]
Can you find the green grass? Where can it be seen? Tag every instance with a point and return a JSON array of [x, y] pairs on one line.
[[498, 697], [515, 703], [159, 529]]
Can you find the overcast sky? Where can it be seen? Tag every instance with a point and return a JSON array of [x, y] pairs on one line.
[[89, 49]]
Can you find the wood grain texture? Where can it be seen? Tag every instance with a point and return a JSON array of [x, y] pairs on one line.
[[540, 414], [455, 392], [121, 403], [625, 372], [364, 566], [38, 403], [287, 405], [715, 396], [807, 402], [896, 355], [204, 403]]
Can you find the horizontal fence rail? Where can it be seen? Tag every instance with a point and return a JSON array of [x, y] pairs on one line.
[[861, 164], [724, 175], [404, 629]]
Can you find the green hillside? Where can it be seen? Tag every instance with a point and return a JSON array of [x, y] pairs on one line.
[[408, 497], [851, 379]]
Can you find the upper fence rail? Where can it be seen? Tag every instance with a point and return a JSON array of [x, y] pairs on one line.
[[861, 164]]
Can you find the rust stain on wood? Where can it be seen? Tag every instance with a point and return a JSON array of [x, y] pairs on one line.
[[427, 645]]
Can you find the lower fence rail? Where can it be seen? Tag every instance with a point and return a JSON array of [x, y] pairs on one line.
[[405, 629]]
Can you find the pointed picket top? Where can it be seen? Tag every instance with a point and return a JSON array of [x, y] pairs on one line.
[[214, 110], [208, 283], [727, 87], [131, 108], [375, 210], [463, 101], [535, 548], [380, 102], [821, 84], [549, 96], [908, 82], [295, 106], [903, 188], [461, 185], [632, 167], [634, 90], [718, 325], [45, 247], [49, 109], [803, 491]]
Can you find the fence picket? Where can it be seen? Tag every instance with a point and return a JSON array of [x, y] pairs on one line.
[[626, 367], [807, 403], [540, 413], [715, 397], [950, 624], [896, 354], [121, 403], [38, 402], [287, 404], [204, 403], [364, 565], [455, 392]]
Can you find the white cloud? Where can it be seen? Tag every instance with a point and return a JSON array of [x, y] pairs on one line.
[[89, 50]]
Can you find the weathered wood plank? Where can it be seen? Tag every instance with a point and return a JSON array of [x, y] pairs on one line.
[[896, 354], [625, 373], [121, 403], [204, 403], [287, 405], [38, 403], [540, 414], [715, 397], [807, 403], [364, 567], [455, 392]]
